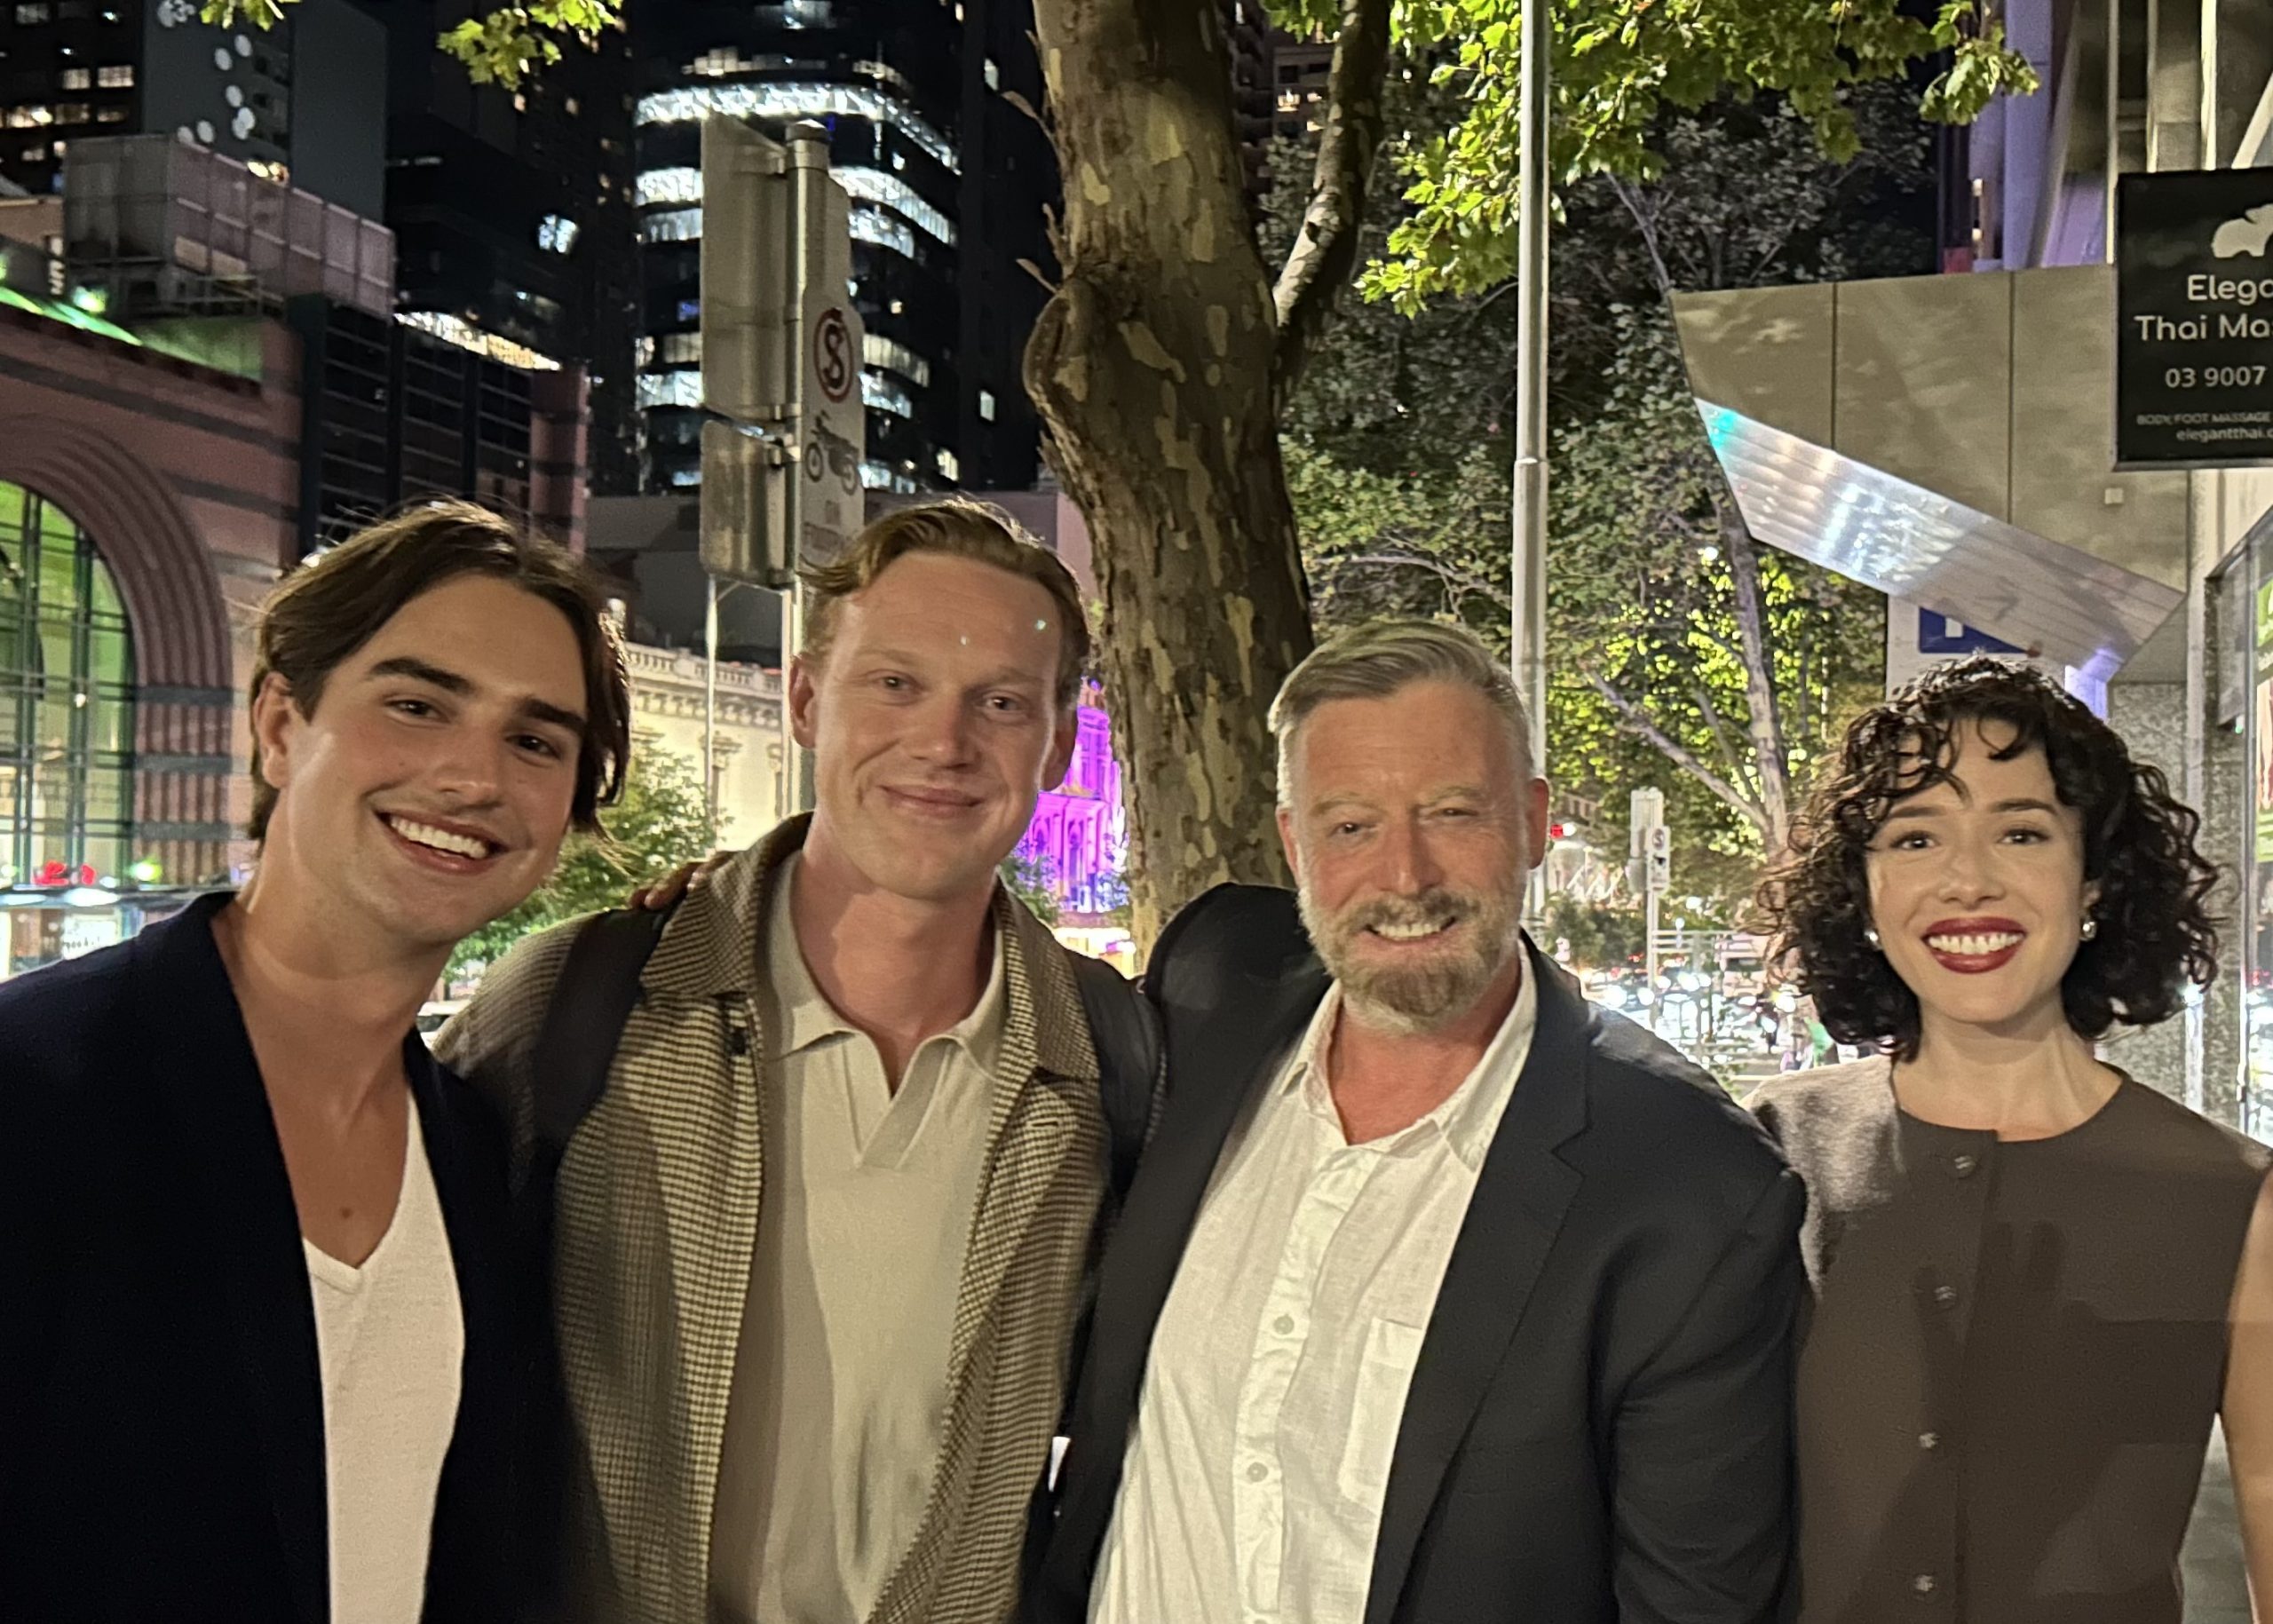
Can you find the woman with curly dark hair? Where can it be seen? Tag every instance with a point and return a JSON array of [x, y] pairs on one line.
[[2037, 1279]]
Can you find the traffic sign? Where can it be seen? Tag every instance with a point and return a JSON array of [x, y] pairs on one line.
[[831, 422], [836, 368], [746, 495], [1657, 857], [781, 356]]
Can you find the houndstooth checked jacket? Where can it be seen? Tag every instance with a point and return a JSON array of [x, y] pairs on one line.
[[656, 1214]]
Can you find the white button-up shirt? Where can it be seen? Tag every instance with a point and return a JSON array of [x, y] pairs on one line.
[[1253, 1485]]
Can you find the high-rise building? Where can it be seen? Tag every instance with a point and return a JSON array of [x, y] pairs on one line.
[[932, 109], [304, 101], [512, 211], [201, 255]]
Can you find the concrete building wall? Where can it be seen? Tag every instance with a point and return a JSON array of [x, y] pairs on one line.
[[668, 715]]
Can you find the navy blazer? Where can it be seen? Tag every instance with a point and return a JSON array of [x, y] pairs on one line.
[[161, 1446], [1599, 1427]]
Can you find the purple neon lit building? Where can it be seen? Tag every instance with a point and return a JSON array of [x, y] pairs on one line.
[[1079, 835]]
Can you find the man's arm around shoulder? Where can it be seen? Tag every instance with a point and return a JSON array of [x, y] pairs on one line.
[[1702, 1441], [492, 1042]]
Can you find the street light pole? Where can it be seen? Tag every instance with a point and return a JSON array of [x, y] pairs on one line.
[[710, 705], [1527, 576]]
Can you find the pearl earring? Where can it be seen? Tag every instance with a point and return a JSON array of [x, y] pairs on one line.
[[2090, 928], [1871, 935]]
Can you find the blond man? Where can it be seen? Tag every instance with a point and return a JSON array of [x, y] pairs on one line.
[[819, 1245]]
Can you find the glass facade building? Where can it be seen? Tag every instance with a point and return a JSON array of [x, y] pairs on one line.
[[929, 110], [2245, 605]]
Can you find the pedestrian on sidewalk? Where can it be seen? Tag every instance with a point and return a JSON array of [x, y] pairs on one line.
[[2038, 1279]]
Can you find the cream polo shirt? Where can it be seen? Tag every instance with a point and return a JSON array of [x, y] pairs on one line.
[[1253, 1485], [840, 1391]]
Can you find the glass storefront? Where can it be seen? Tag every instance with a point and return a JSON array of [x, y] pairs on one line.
[[67, 703], [2251, 643]]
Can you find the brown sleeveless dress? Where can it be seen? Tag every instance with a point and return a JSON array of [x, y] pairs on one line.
[[2016, 1352]]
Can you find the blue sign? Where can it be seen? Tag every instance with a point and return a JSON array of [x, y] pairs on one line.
[[1937, 634]]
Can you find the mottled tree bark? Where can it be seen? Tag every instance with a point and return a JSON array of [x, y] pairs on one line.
[[1156, 370]]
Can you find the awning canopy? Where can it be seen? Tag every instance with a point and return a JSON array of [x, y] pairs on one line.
[[1908, 542], [1946, 440]]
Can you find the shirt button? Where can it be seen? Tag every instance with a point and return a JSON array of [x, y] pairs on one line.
[[1963, 1165], [1257, 1472], [1929, 1440], [1922, 1586], [1284, 1325], [1945, 1297]]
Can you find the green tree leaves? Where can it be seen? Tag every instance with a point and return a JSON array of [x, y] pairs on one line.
[[504, 47], [1619, 68], [1397, 456], [660, 823], [1029, 880]]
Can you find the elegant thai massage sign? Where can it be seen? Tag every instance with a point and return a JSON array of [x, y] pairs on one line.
[[2194, 319]]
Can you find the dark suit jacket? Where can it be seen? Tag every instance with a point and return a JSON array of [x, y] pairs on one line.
[[1599, 1426], [161, 1450]]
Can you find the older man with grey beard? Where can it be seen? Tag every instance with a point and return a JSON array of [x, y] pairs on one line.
[[1442, 1296]]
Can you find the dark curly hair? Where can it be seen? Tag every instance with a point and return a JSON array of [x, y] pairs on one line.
[[2155, 931]]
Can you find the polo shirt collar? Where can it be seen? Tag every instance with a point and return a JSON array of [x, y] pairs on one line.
[[807, 1016]]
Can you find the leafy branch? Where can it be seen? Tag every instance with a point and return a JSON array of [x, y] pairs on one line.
[[1617, 69], [504, 47]]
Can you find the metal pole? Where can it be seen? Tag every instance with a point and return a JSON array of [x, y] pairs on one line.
[[2211, 31], [786, 784], [1649, 956], [2205, 547], [2205, 494], [710, 705], [2114, 91], [1527, 574], [808, 215]]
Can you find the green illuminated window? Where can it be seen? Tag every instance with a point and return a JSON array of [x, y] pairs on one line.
[[66, 699]]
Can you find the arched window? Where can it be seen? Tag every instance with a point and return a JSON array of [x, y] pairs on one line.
[[67, 701]]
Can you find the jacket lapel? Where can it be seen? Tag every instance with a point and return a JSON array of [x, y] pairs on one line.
[[477, 1494], [1520, 1197], [1046, 1056], [209, 1082], [709, 1177], [1223, 1034]]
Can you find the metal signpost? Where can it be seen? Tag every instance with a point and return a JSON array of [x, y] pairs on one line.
[[781, 353], [1652, 846], [2194, 319]]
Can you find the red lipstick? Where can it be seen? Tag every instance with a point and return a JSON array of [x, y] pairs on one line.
[[1973, 945]]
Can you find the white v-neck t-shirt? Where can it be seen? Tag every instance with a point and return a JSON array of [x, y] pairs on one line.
[[391, 1337]]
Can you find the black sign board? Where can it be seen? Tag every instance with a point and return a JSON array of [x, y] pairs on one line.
[[2194, 319]]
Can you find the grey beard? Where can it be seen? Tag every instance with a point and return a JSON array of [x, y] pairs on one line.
[[1424, 998]]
